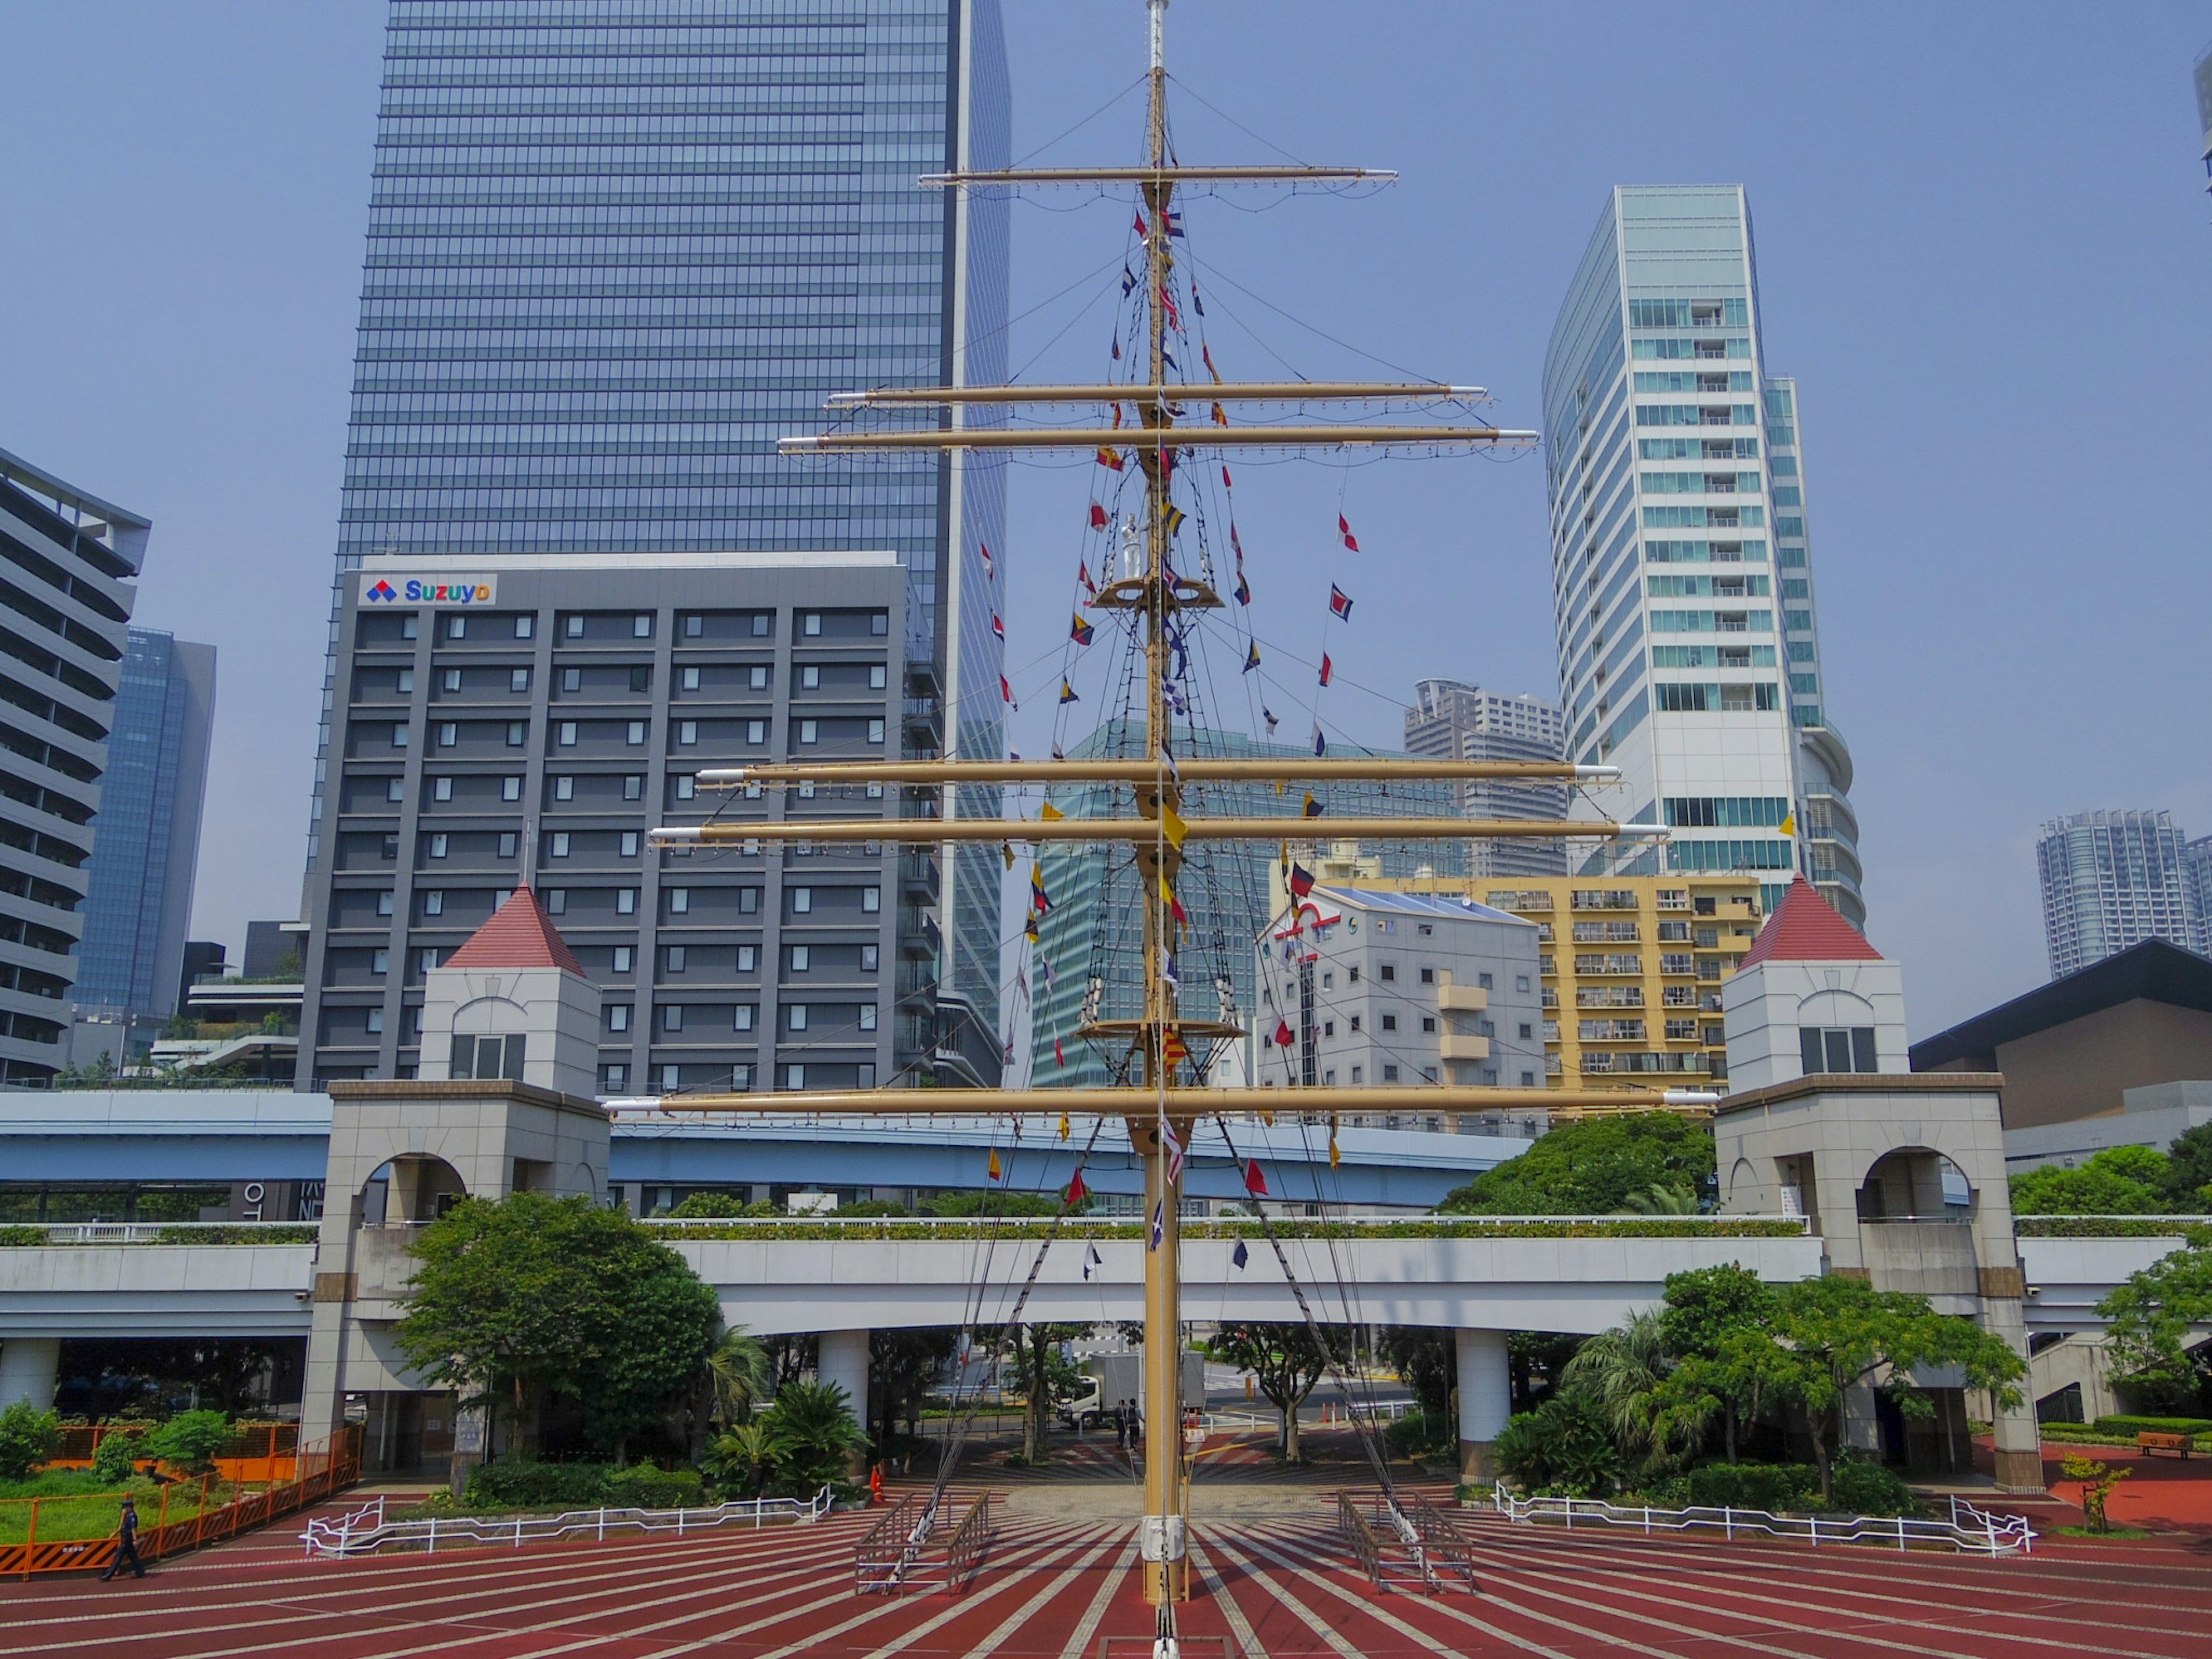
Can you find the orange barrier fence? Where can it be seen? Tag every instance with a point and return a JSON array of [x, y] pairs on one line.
[[258, 1454], [313, 1472]]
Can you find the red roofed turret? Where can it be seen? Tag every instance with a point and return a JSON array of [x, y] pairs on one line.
[[518, 935], [1806, 927]]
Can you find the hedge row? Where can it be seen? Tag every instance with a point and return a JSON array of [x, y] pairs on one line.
[[1080, 1227], [582, 1486]]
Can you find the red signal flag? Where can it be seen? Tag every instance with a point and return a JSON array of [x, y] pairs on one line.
[[1076, 1192], [1284, 1035], [1255, 1182], [1326, 668], [1343, 529], [1339, 603], [1302, 881], [1098, 520]]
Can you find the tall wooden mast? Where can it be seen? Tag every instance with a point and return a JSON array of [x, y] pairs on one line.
[[1161, 1117]]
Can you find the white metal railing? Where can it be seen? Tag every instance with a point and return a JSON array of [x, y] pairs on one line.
[[1238, 1226], [165, 1232], [1973, 1530], [366, 1529]]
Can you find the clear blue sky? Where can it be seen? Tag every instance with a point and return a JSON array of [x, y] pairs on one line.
[[1984, 251]]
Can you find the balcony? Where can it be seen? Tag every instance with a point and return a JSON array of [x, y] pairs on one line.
[[1452, 1046], [921, 939], [1462, 999], [919, 879]]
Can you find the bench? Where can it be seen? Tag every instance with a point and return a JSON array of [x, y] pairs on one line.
[[2180, 1445]]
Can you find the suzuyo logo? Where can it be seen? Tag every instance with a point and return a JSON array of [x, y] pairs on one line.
[[427, 590]]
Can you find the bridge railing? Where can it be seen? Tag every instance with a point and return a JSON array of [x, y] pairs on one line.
[[367, 1529], [922, 1229], [22, 1233]]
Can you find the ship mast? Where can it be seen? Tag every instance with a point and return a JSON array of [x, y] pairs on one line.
[[1161, 1117]]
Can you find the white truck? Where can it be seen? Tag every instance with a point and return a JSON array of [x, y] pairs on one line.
[[1111, 1378]]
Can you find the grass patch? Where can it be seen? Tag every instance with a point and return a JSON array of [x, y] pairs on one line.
[[81, 1509], [2109, 1532]]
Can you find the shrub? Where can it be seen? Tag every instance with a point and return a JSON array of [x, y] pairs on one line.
[[28, 1437], [1563, 1445], [1865, 1488], [643, 1486], [1418, 1435], [2129, 1426], [114, 1460], [191, 1440], [1773, 1486], [539, 1485]]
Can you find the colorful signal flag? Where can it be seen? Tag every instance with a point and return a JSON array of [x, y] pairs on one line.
[[1255, 1179], [1327, 668], [1339, 603], [1344, 529], [1302, 881], [1081, 632]]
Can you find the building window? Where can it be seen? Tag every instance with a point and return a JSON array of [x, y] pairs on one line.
[[1354, 1024], [1428, 977], [868, 958], [560, 844], [373, 1023], [1527, 1031], [517, 733], [457, 627], [794, 1016], [625, 900], [379, 961], [617, 1078], [1355, 1076], [564, 788], [1428, 1074], [755, 732], [1390, 1074], [876, 681], [762, 625], [428, 959], [1388, 970], [442, 789], [518, 679], [571, 679], [634, 733], [801, 957], [556, 901], [802, 900], [510, 789], [875, 731], [756, 677], [810, 624], [1328, 1028], [1490, 1076], [622, 958], [679, 901], [629, 843], [742, 1017], [433, 903], [872, 900], [634, 787], [1520, 981], [672, 1080], [809, 731], [1389, 1022], [1429, 1024], [1832, 1050], [1328, 1079], [671, 1017], [618, 1017], [1527, 1080], [437, 847], [687, 732], [867, 1016]]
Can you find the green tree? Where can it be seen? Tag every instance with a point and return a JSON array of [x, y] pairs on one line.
[[963, 1205], [1285, 1360], [1040, 1372], [737, 1376], [28, 1437], [191, 1440], [2118, 1181], [720, 1207], [1818, 1337], [1702, 1307], [2188, 1172], [1623, 1374], [533, 1295], [1591, 1167], [2152, 1333], [811, 1434], [1562, 1445], [1426, 1361], [902, 1365]]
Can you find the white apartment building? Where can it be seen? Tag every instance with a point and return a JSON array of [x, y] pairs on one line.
[[1452, 721], [1373, 987]]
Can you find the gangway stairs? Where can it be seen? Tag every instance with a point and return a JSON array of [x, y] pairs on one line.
[[1403, 1541], [927, 1541]]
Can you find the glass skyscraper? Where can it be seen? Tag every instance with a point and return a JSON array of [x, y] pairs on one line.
[[616, 248], [1681, 572], [146, 840]]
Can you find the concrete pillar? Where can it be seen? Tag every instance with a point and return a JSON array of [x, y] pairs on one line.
[[29, 1367], [843, 1360], [2019, 1440], [1486, 1400]]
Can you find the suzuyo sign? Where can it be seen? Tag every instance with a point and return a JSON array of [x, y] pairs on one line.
[[454, 590]]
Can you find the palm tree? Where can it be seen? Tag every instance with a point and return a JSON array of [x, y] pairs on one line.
[[738, 1374], [812, 1433], [741, 1456], [1659, 1199], [1623, 1372]]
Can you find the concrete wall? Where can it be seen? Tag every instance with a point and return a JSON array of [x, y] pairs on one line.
[[2085, 1066]]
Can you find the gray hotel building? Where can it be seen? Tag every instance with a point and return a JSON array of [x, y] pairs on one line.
[[615, 251]]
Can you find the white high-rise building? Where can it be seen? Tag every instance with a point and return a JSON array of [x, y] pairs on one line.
[[1451, 721], [2112, 880], [1682, 575]]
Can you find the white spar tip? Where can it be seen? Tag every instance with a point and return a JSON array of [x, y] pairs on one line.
[[1649, 831], [724, 777], [1598, 774], [636, 1103], [793, 445], [673, 835], [1690, 1098], [1479, 394]]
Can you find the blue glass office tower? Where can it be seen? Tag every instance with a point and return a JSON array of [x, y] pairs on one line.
[[146, 840], [1682, 571], [617, 247]]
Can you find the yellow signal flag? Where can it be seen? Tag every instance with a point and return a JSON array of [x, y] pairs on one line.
[[1790, 823], [1268, 1118], [1007, 847], [1050, 813], [998, 1172], [1063, 1125], [1172, 826], [1335, 1157], [1220, 416]]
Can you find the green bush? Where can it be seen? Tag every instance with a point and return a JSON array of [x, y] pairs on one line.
[[114, 1460], [1863, 1488], [14, 1237], [641, 1487], [1775, 1486], [28, 1437], [191, 1440], [1418, 1435], [1562, 1446], [539, 1485], [2130, 1426]]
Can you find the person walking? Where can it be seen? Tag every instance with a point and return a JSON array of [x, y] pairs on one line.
[[126, 1543]]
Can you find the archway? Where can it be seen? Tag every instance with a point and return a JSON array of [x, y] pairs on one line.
[[1915, 1183]]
